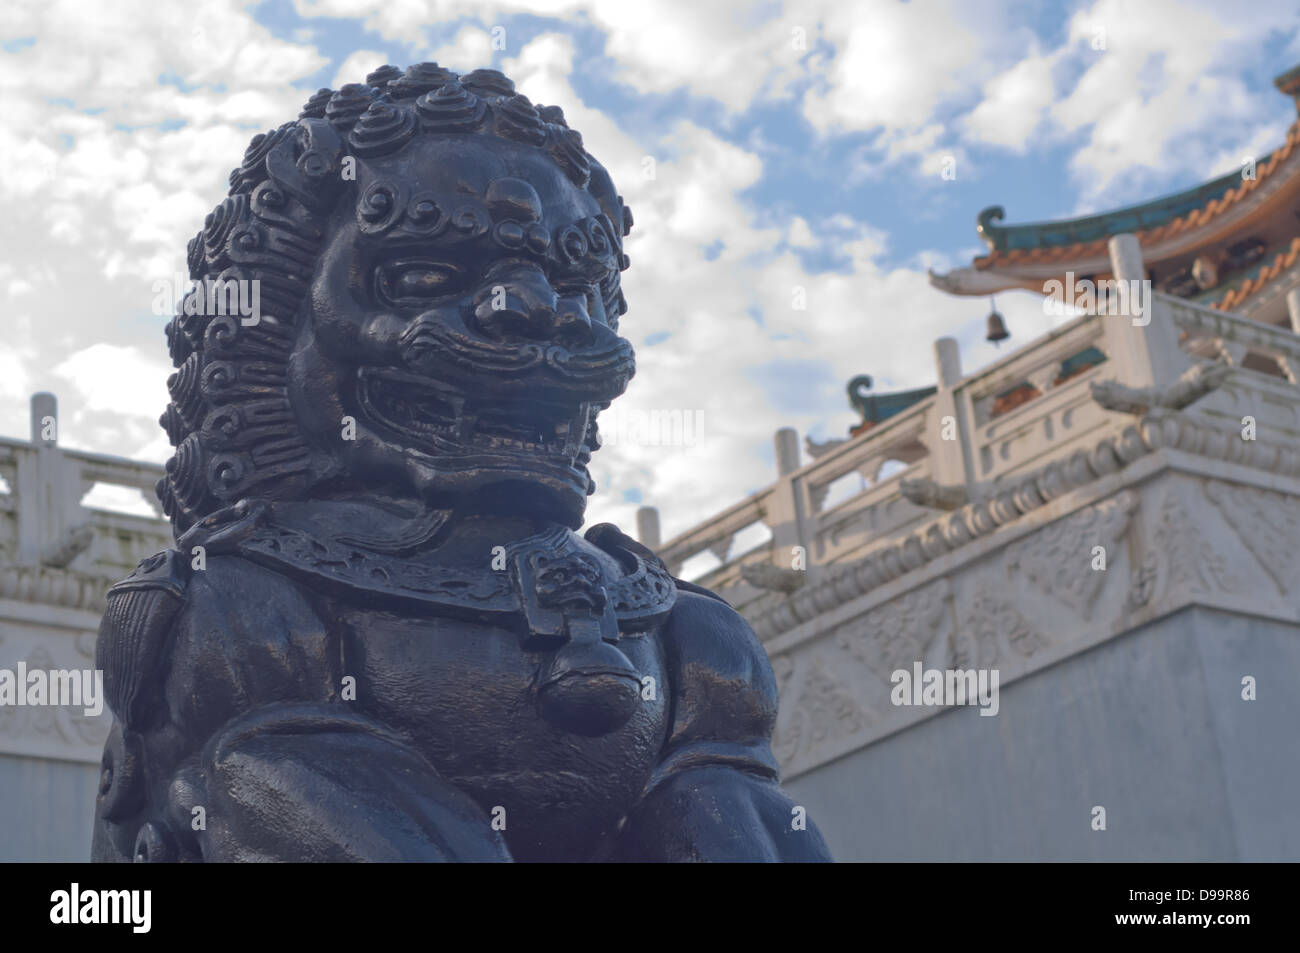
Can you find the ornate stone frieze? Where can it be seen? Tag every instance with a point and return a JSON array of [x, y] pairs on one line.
[[1268, 523], [1058, 558], [835, 688], [817, 706], [1189, 557], [993, 631], [896, 634], [51, 730]]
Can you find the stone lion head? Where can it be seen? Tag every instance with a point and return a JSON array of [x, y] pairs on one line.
[[438, 262]]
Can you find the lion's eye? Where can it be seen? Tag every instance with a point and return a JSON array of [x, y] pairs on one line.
[[418, 280]]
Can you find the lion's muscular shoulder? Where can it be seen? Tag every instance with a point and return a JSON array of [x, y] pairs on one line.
[[221, 639], [723, 685], [246, 636], [716, 794], [723, 690]]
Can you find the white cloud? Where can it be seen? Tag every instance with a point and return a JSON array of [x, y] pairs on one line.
[[470, 49], [355, 68], [100, 204], [799, 234], [115, 394], [726, 50], [14, 379], [1162, 97], [893, 64], [116, 379], [1013, 105], [99, 200]]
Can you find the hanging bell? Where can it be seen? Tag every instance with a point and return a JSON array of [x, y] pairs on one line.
[[997, 328]]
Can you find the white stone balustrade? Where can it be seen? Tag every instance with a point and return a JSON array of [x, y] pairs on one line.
[[1178, 455]]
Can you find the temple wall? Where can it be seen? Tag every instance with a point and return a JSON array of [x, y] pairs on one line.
[[57, 559], [49, 756], [1119, 686], [1130, 563], [1150, 725], [47, 808]]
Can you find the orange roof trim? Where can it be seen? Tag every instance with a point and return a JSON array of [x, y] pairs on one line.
[[1195, 219], [1279, 264]]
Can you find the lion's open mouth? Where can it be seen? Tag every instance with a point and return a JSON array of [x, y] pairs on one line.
[[450, 422]]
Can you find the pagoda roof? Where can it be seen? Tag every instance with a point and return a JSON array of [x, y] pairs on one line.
[[1289, 83], [1171, 230], [1091, 229], [1152, 223]]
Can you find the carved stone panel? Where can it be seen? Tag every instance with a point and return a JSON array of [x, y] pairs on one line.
[[47, 730], [837, 687], [1058, 560], [1268, 524]]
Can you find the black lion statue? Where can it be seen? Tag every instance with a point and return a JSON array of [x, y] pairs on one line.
[[379, 636]]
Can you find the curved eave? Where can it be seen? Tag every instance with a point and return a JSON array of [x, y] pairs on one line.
[[1205, 225], [1066, 233], [973, 282]]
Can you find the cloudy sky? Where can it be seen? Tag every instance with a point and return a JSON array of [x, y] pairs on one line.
[[795, 143]]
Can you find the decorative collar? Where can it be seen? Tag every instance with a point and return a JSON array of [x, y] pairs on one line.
[[550, 588]]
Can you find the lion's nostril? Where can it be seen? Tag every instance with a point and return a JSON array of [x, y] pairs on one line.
[[567, 324], [573, 324], [536, 317]]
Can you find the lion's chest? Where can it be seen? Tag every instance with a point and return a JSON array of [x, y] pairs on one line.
[[466, 695]]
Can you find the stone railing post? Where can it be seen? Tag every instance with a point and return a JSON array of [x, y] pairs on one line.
[[1142, 341], [950, 446], [1293, 305], [647, 527], [47, 489], [787, 450], [790, 506]]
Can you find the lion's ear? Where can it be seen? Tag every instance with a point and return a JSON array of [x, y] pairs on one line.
[[309, 164]]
